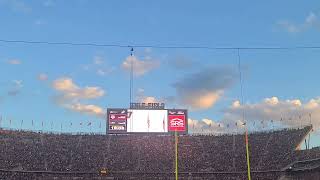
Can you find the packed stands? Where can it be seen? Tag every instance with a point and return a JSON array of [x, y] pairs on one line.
[[44, 156], [308, 154]]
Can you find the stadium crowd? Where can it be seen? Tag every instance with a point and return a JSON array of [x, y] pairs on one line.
[[221, 157]]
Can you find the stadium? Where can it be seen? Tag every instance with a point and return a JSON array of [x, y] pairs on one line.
[[273, 155], [159, 90]]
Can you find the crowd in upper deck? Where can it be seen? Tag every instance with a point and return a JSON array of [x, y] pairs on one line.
[[29, 151]]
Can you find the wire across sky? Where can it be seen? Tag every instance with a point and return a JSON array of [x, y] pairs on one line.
[[157, 46]]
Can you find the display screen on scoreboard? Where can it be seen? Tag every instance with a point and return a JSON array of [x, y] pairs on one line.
[[147, 121], [117, 120], [177, 120]]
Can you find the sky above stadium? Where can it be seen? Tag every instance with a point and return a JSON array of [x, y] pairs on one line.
[[68, 87]]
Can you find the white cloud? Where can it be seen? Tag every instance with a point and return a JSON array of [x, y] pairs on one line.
[[70, 95], [140, 67], [290, 112], [105, 71], [42, 77], [140, 91], [290, 27], [271, 101], [203, 89], [70, 90], [18, 83], [16, 88], [201, 100], [98, 60], [205, 126], [311, 21], [142, 97], [267, 114], [86, 109], [99, 66], [101, 72], [16, 5], [64, 85], [14, 62], [39, 22], [149, 99], [236, 104]]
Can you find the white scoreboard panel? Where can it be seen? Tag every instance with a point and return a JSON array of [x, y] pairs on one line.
[[147, 120]]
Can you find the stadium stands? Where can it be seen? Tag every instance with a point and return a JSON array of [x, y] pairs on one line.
[[313, 153], [44, 156]]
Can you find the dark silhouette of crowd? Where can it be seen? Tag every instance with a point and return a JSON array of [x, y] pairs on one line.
[[313, 153], [39, 155]]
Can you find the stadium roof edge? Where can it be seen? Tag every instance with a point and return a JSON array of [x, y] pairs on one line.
[[310, 128]]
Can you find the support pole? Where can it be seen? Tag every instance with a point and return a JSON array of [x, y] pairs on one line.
[[248, 159], [131, 75], [176, 154], [243, 119]]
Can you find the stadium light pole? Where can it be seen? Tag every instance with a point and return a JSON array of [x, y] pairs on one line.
[[131, 75]]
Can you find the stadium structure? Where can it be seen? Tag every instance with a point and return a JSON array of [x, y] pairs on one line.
[[147, 141], [273, 155]]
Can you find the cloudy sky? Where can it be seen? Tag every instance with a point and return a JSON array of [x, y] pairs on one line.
[[70, 86]]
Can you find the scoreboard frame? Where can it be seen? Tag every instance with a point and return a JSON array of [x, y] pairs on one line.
[[118, 112], [179, 131]]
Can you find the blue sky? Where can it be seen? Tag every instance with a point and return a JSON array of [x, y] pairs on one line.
[[71, 84]]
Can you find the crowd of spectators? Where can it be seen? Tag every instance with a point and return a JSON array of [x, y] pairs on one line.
[[219, 157], [308, 154]]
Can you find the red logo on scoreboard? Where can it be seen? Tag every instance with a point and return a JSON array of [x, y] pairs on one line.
[[177, 122], [118, 117]]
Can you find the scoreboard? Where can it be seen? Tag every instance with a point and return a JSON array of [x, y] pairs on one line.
[[117, 120], [134, 120], [177, 120]]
